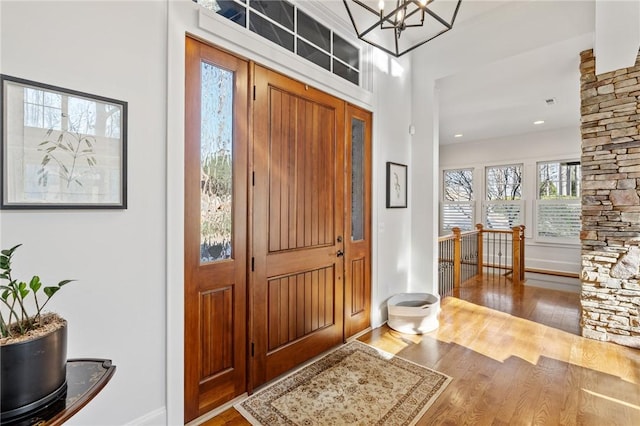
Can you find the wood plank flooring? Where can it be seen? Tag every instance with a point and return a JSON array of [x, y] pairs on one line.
[[516, 358]]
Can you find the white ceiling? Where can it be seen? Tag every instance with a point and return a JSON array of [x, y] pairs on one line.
[[506, 95], [504, 98]]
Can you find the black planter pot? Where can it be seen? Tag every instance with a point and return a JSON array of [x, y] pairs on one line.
[[33, 373]]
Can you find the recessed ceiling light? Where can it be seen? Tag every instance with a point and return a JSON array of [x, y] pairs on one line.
[[539, 122], [458, 135]]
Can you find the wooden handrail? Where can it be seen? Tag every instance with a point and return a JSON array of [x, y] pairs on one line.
[[497, 231], [453, 236], [517, 240]]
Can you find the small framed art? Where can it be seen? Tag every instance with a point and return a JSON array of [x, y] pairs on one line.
[[396, 185], [61, 149]]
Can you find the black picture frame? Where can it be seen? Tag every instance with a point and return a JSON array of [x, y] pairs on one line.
[[396, 185], [61, 148]]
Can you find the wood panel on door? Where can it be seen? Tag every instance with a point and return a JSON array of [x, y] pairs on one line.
[[298, 214], [357, 276], [215, 258]]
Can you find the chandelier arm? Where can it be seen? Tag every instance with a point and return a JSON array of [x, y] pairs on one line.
[[439, 19], [455, 13], [353, 21], [449, 25], [397, 25], [413, 12], [393, 14], [390, 52], [421, 43], [396, 39], [371, 28], [375, 12], [413, 25], [364, 6]]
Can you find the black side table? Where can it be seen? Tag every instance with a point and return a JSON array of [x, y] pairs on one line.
[[85, 379]]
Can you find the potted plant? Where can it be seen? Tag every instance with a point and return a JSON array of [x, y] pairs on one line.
[[33, 343]]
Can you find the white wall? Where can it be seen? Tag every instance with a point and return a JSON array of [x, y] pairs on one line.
[[117, 308], [526, 149], [558, 143], [617, 34], [424, 188], [391, 226]]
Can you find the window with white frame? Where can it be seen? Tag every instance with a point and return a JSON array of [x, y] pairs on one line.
[[558, 201], [503, 207], [457, 209]]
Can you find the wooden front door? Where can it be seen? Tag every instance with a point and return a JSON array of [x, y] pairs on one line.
[[215, 257], [298, 218]]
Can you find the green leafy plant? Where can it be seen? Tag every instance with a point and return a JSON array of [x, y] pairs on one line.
[[14, 296]]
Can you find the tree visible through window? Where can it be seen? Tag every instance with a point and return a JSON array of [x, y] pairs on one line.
[[558, 204], [503, 208], [559, 180], [458, 185], [457, 205], [216, 162], [504, 182]]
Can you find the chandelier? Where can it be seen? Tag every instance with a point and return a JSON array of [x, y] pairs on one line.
[[399, 26]]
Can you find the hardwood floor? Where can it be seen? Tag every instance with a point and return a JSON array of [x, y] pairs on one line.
[[516, 358]]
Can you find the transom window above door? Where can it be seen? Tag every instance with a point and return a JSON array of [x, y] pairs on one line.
[[284, 24]]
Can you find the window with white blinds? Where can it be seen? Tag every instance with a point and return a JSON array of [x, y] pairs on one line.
[[558, 219], [457, 215], [558, 206], [457, 208], [503, 214]]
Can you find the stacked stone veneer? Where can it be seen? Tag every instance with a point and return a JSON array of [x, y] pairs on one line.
[[610, 203]]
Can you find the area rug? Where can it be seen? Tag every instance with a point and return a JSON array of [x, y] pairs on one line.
[[354, 384]]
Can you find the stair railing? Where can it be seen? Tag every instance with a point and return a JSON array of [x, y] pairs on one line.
[[466, 255]]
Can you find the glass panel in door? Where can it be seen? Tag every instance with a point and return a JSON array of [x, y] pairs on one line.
[[357, 179], [216, 160]]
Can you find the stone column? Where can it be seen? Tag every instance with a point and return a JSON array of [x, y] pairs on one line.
[[610, 235]]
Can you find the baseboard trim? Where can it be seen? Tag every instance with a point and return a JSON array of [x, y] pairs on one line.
[[551, 282], [154, 418], [554, 273]]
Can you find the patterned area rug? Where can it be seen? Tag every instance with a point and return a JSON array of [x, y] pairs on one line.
[[354, 384]]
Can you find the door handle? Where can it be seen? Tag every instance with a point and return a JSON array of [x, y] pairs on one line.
[[340, 253]]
